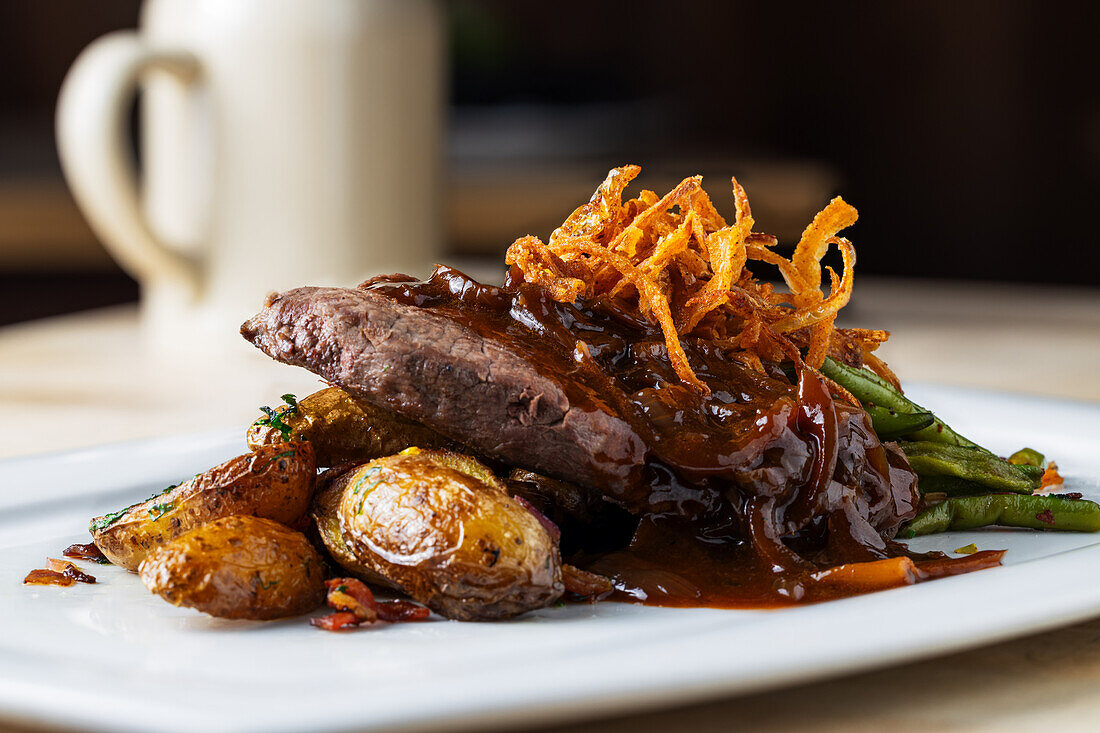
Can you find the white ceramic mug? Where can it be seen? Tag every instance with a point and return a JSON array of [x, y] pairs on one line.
[[284, 142]]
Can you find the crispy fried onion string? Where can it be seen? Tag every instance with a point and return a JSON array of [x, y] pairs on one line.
[[683, 268]]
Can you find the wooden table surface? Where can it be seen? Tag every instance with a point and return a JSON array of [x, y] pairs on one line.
[[87, 379]]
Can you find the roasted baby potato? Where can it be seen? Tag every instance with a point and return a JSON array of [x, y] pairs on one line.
[[238, 567], [275, 482], [326, 517], [442, 528], [326, 504], [342, 428]]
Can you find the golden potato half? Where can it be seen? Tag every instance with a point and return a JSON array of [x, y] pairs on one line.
[[238, 567], [342, 428], [326, 517], [440, 527], [275, 482]]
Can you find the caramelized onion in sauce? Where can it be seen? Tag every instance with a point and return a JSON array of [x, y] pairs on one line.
[[41, 576], [57, 572], [86, 552]]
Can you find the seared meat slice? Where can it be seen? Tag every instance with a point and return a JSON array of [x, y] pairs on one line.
[[434, 370]]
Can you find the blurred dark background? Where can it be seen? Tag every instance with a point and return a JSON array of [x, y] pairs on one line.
[[967, 134]]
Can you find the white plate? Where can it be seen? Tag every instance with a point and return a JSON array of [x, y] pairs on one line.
[[113, 657]]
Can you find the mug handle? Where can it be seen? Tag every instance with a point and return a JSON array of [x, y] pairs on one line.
[[93, 109]]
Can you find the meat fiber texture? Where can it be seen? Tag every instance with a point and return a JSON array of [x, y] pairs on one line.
[[432, 369]]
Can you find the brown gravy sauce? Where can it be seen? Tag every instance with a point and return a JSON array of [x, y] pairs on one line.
[[747, 495]]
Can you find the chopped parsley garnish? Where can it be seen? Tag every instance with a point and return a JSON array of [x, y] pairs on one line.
[[358, 486], [108, 519], [159, 510], [265, 586], [164, 491], [366, 474], [277, 418], [285, 454]]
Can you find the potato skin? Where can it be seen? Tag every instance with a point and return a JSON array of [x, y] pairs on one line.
[[342, 428], [238, 567], [430, 523], [326, 518], [275, 482]]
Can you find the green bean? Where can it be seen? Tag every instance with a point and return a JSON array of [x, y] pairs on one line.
[[955, 486], [1006, 510], [871, 389], [947, 463], [1027, 457], [961, 468], [889, 424], [986, 471], [866, 386], [949, 485], [1035, 473]]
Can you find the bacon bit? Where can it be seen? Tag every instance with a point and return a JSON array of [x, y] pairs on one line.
[[69, 570], [40, 576], [350, 594], [356, 605], [86, 552], [59, 572], [545, 521], [395, 611], [1046, 517], [335, 621], [1051, 477], [584, 585], [1071, 496]]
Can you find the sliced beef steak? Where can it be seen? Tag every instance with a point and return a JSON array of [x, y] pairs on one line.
[[433, 369]]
